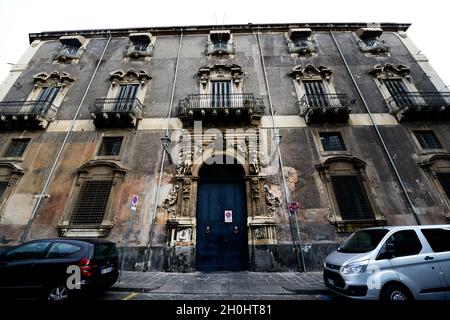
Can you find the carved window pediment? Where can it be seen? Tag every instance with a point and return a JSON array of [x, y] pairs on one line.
[[71, 49], [55, 78], [309, 71], [130, 75], [220, 71], [387, 70]]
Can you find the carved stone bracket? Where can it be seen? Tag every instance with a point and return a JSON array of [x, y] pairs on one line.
[[171, 200]]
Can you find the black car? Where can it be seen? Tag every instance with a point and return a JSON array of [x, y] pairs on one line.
[[51, 266]]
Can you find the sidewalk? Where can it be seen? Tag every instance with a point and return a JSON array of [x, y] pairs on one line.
[[223, 283]]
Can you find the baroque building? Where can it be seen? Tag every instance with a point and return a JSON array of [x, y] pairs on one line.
[[249, 147]]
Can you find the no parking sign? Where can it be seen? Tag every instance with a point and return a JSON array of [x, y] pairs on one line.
[[134, 202]]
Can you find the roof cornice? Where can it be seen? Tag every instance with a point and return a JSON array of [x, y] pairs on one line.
[[234, 28]]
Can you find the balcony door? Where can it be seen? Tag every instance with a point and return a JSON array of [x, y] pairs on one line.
[[125, 98], [398, 92], [316, 93], [45, 100], [220, 94]]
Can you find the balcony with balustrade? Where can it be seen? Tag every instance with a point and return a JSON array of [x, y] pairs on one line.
[[220, 48], [29, 115], [116, 113], [235, 107], [137, 50], [320, 108], [420, 106]]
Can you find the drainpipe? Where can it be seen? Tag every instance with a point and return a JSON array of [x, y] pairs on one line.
[[165, 140], [380, 137], [58, 155], [295, 230]]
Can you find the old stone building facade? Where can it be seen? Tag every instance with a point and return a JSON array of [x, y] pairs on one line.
[[255, 147]]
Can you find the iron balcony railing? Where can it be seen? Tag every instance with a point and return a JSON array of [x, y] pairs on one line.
[[221, 47], [130, 106], [68, 52], [311, 102], [25, 109], [418, 100], [302, 46], [221, 101], [140, 50]]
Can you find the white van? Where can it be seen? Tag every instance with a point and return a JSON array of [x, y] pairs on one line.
[[392, 263]]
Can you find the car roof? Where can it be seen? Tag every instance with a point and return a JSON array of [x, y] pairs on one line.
[[88, 240], [428, 226]]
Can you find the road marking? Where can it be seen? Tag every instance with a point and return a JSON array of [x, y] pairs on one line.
[[130, 296]]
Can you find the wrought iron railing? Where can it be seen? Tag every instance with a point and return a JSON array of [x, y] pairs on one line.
[[119, 106], [42, 109], [245, 101], [139, 49], [221, 47], [311, 102], [68, 52], [418, 100]]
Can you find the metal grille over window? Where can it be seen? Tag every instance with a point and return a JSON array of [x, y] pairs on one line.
[[332, 141], [444, 179], [315, 93], [3, 186], [351, 197], [399, 92], [125, 98], [111, 146], [428, 139], [17, 147], [91, 204]]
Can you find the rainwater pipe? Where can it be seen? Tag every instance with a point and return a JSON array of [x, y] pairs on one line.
[[380, 137], [293, 216], [61, 148], [165, 139]]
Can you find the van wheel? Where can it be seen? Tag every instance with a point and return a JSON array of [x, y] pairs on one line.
[[58, 293], [395, 292]]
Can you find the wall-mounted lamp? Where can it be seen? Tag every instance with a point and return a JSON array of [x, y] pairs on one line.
[[165, 144]]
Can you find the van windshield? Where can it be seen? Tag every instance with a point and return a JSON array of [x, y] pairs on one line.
[[363, 241]]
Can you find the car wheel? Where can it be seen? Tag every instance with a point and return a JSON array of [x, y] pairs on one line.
[[58, 293], [395, 292]]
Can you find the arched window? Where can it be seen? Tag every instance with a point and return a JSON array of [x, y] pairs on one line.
[[351, 202]]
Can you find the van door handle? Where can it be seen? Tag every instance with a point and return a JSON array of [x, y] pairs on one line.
[[429, 258]]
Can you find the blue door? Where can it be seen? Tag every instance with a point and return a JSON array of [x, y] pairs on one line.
[[221, 219]]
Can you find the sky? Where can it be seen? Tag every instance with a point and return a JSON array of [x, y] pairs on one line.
[[18, 18]]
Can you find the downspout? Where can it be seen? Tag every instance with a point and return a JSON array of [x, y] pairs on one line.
[[380, 137], [58, 155], [163, 157], [292, 214]]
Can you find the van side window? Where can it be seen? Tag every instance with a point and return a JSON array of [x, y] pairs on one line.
[[439, 239], [406, 243]]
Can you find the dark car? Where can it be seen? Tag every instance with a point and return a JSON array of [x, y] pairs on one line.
[[49, 266]]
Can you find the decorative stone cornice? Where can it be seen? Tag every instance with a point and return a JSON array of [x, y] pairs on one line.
[[55, 76], [388, 70], [309, 71], [129, 75]]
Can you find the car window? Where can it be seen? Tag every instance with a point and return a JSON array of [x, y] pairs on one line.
[[105, 251], [363, 241], [61, 249], [406, 243], [439, 239], [33, 250]]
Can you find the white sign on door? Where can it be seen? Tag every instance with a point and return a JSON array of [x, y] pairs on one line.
[[228, 216]]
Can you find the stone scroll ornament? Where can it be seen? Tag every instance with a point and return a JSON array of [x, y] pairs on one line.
[[184, 162], [171, 200], [271, 201]]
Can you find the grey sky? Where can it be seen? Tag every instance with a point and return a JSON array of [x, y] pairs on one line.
[[18, 18]]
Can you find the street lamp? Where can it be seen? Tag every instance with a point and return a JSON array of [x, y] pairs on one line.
[[165, 144]]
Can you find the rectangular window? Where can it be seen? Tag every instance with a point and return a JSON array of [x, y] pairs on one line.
[[90, 207], [398, 92], [316, 94], [428, 139], [332, 141], [351, 197], [17, 147], [45, 99], [3, 186], [444, 180], [220, 93], [439, 239], [110, 146], [125, 98]]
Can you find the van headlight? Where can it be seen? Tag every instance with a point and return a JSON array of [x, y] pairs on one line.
[[355, 267]]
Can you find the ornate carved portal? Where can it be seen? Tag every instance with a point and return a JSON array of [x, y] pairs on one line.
[[181, 201]]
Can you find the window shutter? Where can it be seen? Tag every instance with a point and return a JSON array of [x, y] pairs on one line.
[[351, 197]]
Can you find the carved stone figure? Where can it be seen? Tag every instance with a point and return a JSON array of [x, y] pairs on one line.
[[253, 161], [184, 162], [171, 200], [254, 184], [271, 201]]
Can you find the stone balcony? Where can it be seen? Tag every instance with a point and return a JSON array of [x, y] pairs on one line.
[[116, 113], [320, 108], [31, 115]]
